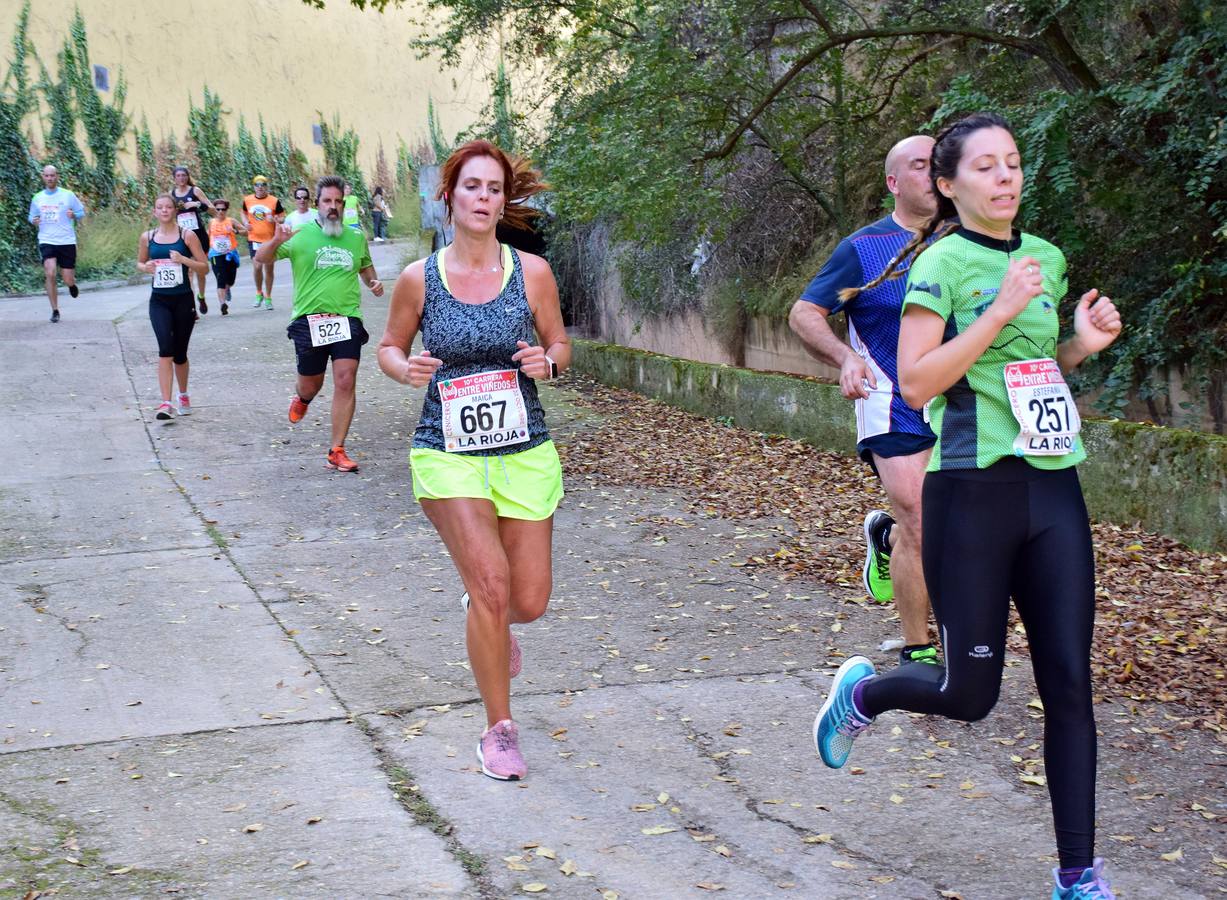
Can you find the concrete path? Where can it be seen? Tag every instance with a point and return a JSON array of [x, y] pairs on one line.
[[227, 671]]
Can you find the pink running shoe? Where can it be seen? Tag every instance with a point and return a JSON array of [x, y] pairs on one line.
[[498, 751]]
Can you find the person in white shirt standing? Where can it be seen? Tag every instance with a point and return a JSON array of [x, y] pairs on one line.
[[54, 212]]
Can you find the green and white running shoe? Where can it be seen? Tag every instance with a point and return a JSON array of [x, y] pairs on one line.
[[927, 654], [876, 573]]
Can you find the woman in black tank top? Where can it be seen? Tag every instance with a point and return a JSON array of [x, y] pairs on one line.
[[190, 206], [484, 467], [169, 254]]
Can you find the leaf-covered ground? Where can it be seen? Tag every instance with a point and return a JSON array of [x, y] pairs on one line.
[[1160, 635]]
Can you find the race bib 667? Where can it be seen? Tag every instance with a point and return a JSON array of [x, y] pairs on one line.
[[483, 411]]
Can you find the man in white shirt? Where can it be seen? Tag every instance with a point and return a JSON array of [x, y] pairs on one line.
[[54, 212], [303, 214]]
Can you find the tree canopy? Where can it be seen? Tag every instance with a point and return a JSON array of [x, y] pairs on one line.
[[760, 126]]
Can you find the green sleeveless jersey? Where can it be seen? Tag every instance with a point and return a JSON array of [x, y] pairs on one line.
[[958, 278]]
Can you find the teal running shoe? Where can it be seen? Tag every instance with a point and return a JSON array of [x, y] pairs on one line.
[[838, 723], [1091, 886], [876, 572]]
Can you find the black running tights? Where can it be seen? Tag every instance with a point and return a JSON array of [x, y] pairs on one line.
[[1011, 530], [173, 317]]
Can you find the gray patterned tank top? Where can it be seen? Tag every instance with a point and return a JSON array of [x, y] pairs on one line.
[[472, 338]]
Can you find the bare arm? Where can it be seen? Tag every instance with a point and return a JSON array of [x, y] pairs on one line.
[[142, 254], [542, 292], [404, 319], [199, 200], [809, 322], [268, 250], [371, 280], [198, 262]]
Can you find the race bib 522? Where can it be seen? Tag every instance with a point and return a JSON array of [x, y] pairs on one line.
[[328, 329]]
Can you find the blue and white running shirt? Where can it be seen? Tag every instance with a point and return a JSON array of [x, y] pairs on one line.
[[873, 322]]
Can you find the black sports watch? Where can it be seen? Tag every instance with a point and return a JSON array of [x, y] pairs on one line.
[[553, 367]]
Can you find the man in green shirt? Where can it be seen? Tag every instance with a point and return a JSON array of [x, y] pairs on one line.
[[325, 257]]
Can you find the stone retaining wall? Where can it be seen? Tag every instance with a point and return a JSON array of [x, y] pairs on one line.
[[1171, 481]]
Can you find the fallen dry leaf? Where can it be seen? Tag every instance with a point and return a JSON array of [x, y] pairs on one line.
[[1159, 632]]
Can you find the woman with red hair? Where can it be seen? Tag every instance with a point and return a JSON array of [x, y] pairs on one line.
[[484, 467]]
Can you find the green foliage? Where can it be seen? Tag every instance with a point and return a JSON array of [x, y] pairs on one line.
[[72, 99], [406, 171], [62, 149], [146, 162], [341, 158], [383, 175], [108, 241], [761, 125], [249, 158], [119, 201], [214, 155], [503, 128], [105, 124], [1129, 182], [18, 181], [441, 146], [284, 166]]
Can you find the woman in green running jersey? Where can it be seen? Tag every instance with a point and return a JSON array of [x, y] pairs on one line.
[[1002, 507]]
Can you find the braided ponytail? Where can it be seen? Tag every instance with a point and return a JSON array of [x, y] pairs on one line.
[[947, 151]]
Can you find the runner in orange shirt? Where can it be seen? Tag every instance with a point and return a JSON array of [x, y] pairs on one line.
[[224, 250], [261, 213]]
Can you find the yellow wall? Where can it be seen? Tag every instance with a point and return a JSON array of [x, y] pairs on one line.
[[279, 58]]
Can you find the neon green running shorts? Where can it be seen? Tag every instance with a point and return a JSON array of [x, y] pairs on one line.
[[524, 485]]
